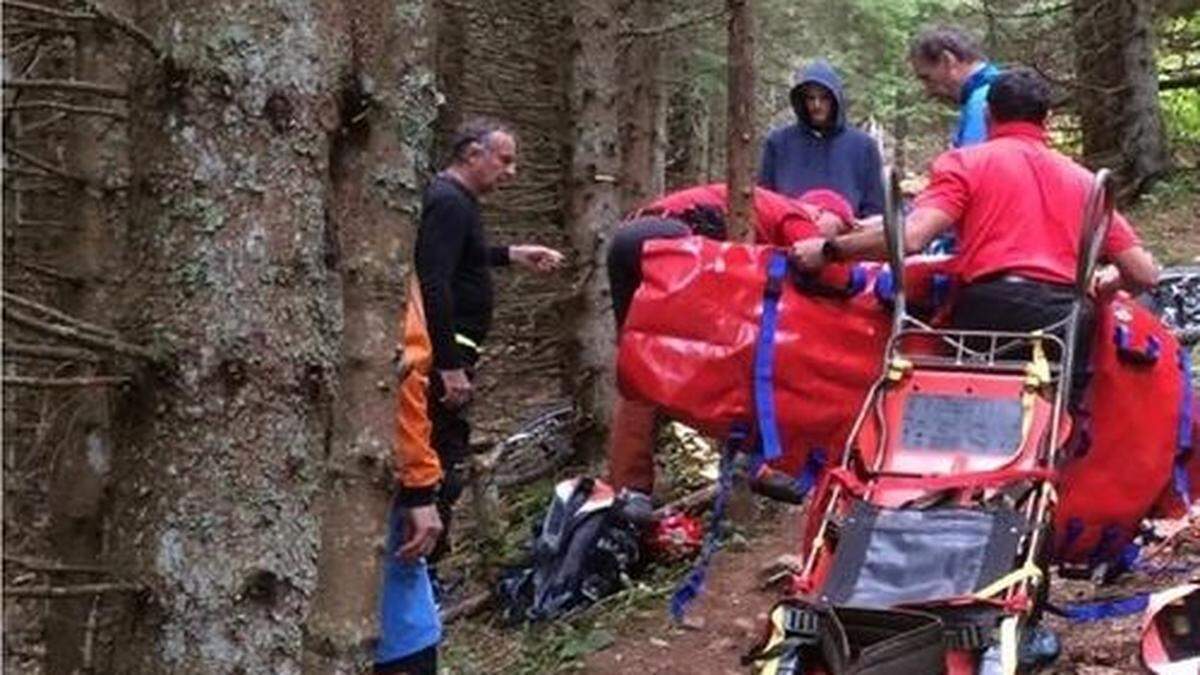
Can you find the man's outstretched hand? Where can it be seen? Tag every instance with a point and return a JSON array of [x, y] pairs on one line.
[[424, 528], [535, 257], [808, 255]]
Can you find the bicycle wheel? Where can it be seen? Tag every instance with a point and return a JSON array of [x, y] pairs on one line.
[[536, 449]]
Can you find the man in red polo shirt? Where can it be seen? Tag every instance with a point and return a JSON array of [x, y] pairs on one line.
[[1016, 206]]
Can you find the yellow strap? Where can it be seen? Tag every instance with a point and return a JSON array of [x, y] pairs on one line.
[[1008, 645], [898, 368], [1037, 371], [466, 341], [1029, 571]]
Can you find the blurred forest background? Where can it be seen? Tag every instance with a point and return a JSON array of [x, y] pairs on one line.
[[208, 211]]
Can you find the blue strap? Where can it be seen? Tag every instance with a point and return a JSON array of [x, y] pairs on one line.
[[1088, 612], [812, 469], [693, 584], [858, 280], [1183, 448], [941, 284], [1127, 352], [885, 289], [764, 358], [1101, 552]]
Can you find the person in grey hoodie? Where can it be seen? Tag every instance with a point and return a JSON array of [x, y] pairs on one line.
[[821, 150]]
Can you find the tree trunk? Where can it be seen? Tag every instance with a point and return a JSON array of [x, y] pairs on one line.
[[81, 475], [1117, 90], [642, 104], [383, 136], [739, 136], [593, 206], [234, 259]]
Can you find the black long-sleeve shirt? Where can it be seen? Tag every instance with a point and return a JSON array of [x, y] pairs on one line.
[[452, 260]]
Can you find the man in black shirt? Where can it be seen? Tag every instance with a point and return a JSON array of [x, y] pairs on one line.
[[450, 317]]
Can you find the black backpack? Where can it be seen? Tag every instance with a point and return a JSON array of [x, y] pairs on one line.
[[581, 551]]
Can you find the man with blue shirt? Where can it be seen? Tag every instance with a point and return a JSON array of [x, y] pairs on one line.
[[952, 67], [822, 151]]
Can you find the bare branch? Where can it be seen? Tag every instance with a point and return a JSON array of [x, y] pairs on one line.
[[1182, 82], [675, 25], [57, 275], [125, 25], [46, 11], [79, 337], [97, 13], [56, 592], [64, 382], [64, 107], [26, 303], [41, 164], [42, 124], [48, 352], [40, 565], [107, 91]]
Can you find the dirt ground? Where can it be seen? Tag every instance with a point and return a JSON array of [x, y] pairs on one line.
[[727, 618]]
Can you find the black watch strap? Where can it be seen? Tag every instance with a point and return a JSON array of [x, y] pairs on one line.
[[831, 251]]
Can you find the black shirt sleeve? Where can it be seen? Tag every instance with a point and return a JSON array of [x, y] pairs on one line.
[[498, 256], [445, 224]]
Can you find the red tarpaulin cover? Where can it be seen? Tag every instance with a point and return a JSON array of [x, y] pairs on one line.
[[688, 346]]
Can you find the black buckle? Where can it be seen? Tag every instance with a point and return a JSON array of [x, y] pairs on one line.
[[968, 637], [802, 623]]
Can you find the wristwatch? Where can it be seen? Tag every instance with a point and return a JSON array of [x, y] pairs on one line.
[[831, 251]]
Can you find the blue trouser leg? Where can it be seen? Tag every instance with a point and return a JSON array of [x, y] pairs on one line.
[[408, 615]]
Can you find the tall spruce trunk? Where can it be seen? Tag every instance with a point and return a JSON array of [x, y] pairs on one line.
[[1117, 90], [95, 152], [594, 206], [643, 105], [385, 112], [235, 445], [739, 134]]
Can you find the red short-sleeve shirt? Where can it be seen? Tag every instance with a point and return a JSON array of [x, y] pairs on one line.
[[1017, 206]]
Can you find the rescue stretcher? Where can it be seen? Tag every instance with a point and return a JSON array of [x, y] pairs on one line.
[[927, 545]]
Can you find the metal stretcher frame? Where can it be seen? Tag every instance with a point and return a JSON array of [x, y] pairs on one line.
[[992, 359]]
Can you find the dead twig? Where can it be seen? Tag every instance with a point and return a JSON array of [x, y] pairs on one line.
[[96, 12], [67, 108], [105, 90], [41, 565], [64, 382], [40, 163], [63, 317], [58, 592], [467, 607], [690, 502], [77, 336], [673, 26], [48, 352]]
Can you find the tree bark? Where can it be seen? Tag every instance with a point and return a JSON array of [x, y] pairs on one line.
[[739, 139], [642, 102], [594, 207], [1117, 90], [235, 260], [385, 127]]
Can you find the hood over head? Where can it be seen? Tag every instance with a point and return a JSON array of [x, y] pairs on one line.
[[822, 73]]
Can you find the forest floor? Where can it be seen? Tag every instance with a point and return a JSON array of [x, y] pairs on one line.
[[631, 633]]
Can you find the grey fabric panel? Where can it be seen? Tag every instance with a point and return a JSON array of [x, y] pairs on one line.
[[889, 557], [950, 423]]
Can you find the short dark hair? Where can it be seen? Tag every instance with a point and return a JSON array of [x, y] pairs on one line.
[[474, 130], [1020, 94], [931, 42]]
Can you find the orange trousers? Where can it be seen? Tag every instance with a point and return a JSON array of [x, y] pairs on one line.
[[631, 445]]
